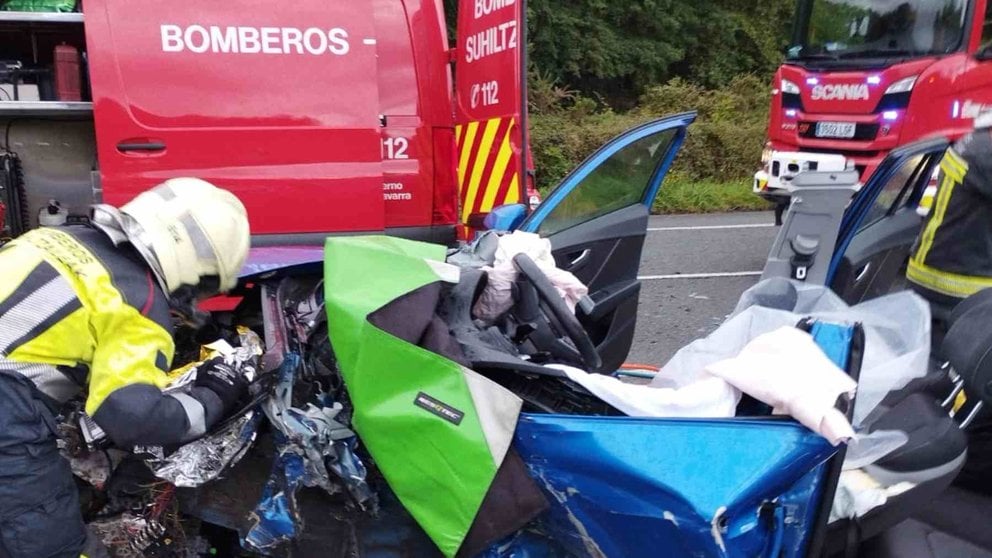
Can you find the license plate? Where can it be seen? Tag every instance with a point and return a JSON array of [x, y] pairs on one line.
[[835, 129]]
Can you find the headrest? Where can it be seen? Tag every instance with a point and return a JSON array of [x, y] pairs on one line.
[[980, 298]]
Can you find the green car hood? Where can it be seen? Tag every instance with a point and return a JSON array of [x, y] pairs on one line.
[[437, 430]]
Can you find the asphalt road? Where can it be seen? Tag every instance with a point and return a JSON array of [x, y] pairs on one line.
[[693, 270]]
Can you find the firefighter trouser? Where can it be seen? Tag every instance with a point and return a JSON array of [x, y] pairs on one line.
[[39, 505]]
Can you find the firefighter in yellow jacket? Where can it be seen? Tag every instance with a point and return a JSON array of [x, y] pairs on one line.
[[952, 258], [87, 309]]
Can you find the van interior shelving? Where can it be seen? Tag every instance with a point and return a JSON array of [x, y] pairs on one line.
[[28, 42]]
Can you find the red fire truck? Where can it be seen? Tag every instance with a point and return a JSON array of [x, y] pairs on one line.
[[865, 76], [323, 118]]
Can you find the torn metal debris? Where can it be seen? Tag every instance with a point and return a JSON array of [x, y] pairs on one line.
[[324, 444]]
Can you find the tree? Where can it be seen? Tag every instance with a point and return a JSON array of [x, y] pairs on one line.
[[607, 48], [733, 37], [615, 49]]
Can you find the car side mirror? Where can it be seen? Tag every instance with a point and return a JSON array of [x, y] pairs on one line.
[[984, 53], [502, 218]]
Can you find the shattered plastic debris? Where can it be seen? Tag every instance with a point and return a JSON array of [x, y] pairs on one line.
[[276, 518], [350, 469], [314, 433], [311, 445]]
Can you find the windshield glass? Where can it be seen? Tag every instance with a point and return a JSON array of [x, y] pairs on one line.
[[842, 29]]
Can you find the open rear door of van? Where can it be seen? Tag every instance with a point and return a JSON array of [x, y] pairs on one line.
[[276, 102], [490, 104]]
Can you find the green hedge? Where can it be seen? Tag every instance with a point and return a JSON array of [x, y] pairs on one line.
[[680, 196], [724, 145]]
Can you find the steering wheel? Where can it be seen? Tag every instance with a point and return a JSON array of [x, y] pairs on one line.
[[559, 318]]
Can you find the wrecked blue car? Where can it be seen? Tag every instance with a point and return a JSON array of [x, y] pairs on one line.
[[387, 420]]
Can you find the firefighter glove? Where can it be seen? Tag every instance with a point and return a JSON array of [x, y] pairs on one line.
[[224, 380]]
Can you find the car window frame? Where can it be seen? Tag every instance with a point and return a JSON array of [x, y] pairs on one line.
[[903, 198], [679, 122], [641, 192]]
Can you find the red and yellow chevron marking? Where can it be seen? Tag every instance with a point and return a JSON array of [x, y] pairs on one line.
[[488, 167]]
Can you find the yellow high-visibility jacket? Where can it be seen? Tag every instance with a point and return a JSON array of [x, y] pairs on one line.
[[952, 258], [78, 313]]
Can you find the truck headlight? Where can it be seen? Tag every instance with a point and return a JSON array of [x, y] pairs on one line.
[[789, 87], [902, 86]]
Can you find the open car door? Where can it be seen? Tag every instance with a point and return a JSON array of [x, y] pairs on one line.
[[596, 220], [881, 225]]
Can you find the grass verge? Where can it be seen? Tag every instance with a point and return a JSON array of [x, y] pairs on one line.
[[684, 196]]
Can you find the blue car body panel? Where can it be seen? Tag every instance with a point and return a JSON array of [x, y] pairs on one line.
[[631, 487], [634, 487]]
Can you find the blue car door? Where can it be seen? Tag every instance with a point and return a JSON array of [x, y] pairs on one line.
[[597, 218], [881, 224]]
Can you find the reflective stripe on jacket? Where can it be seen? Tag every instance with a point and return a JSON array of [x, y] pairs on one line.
[[953, 254], [78, 313]]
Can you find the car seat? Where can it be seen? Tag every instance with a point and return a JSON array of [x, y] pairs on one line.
[[932, 457], [954, 524]]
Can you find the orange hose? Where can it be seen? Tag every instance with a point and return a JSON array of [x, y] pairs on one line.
[[637, 366]]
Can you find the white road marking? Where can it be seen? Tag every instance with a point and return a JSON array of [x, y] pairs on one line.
[[700, 275], [368, 41], [712, 227]]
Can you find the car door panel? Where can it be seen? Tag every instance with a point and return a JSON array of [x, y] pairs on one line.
[[586, 250], [881, 225], [876, 257], [608, 249], [596, 221]]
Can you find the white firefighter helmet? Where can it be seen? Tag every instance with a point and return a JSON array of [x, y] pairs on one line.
[[187, 229]]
